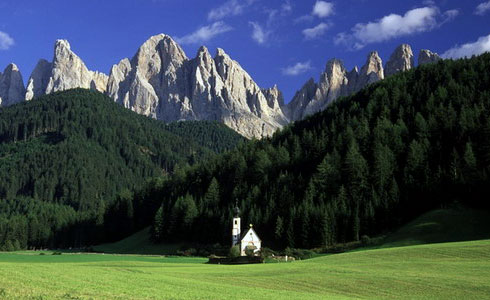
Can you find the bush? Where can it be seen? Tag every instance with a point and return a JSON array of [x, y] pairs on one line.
[[299, 253], [234, 252], [8, 246], [249, 252], [56, 253], [266, 252], [365, 240]]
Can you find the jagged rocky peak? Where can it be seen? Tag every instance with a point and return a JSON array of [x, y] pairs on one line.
[[38, 82], [99, 81], [161, 82], [333, 83], [427, 57], [204, 67], [67, 71], [241, 89], [401, 60], [372, 71], [295, 109], [204, 56], [206, 86], [274, 96], [12, 88], [153, 74], [352, 78], [159, 52], [224, 63], [116, 80], [244, 96]]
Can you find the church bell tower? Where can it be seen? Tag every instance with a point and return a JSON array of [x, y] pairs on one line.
[[235, 232]]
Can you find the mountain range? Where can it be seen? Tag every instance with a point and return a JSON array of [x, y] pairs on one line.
[[161, 82]]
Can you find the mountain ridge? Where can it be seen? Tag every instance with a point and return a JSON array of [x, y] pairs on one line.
[[161, 82]]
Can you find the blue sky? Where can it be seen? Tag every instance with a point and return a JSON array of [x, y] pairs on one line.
[[277, 41]]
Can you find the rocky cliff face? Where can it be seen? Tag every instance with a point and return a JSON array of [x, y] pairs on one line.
[[334, 82], [427, 57], [161, 82], [67, 71], [371, 72], [401, 60], [274, 97], [11, 86], [38, 82]]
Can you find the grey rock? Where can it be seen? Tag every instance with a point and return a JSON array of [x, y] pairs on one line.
[[11, 86], [274, 97], [352, 78], [38, 82], [333, 83], [161, 82], [67, 71], [427, 57], [401, 60], [295, 109], [371, 72]]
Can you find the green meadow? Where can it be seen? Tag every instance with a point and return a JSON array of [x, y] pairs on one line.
[[458, 270]]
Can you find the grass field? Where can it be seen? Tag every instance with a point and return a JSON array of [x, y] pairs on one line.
[[435, 271]]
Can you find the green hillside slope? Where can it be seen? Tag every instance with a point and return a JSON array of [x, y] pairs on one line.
[[70, 158], [442, 225], [138, 243], [367, 164], [453, 224]]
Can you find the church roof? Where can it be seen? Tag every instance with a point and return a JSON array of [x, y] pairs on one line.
[[246, 232]]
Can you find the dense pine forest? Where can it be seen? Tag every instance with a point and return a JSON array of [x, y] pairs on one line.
[[368, 163], [69, 162]]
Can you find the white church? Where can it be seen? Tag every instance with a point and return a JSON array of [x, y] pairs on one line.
[[248, 241]]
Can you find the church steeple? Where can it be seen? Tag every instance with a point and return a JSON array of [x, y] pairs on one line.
[[235, 232]]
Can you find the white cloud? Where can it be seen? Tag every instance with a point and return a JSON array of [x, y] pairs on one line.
[[6, 41], [229, 8], [467, 50], [259, 34], [449, 15], [298, 68], [315, 32], [286, 8], [322, 9], [482, 8], [304, 19], [392, 26], [204, 33]]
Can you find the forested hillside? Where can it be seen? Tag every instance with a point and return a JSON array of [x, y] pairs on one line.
[[369, 162], [68, 160]]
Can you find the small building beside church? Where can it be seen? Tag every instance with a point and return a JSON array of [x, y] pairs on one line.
[[248, 241]]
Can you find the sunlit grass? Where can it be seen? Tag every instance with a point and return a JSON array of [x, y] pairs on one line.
[[435, 271]]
